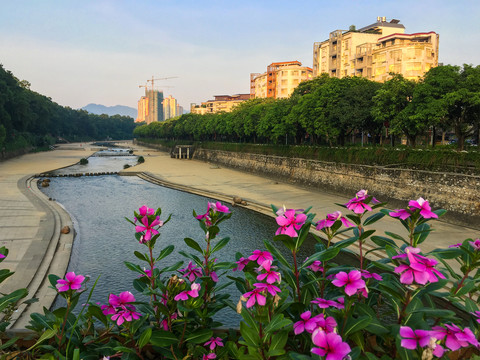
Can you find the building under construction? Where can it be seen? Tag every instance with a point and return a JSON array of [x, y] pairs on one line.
[[150, 107]]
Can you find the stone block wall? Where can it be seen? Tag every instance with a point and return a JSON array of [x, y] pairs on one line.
[[457, 193]]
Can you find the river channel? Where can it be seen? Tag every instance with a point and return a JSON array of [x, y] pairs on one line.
[[98, 206]]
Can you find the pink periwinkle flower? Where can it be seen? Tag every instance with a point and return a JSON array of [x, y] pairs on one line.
[[418, 268], [368, 275], [164, 322], [218, 207], [2, 256], [214, 342], [270, 274], [255, 296], [329, 345], [71, 282], [400, 213], [455, 245], [323, 303], [422, 205], [352, 281], [120, 307], [475, 244], [412, 338], [209, 356], [340, 303], [289, 222], [358, 204], [326, 324], [193, 293], [455, 337], [315, 266], [477, 315], [260, 256], [331, 219], [148, 228], [307, 323], [271, 289], [191, 272], [241, 263]]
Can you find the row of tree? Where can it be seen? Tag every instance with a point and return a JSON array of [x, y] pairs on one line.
[[39, 121], [331, 111]]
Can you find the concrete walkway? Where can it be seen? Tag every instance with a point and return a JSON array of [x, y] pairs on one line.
[[30, 224]]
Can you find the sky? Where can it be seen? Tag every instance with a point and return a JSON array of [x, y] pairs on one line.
[[101, 51]]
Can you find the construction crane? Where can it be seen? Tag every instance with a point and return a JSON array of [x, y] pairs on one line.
[[165, 78]]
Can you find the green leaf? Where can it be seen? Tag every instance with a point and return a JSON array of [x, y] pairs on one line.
[[276, 323], [199, 336], [52, 278], [220, 244], [163, 338], [325, 255], [345, 243], [450, 253], [9, 343], [124, 349], [382, 241], [141, 256], [173, 267], [145, 337], [249, 319], [134, 267], [354, 325], [437, 313], [277, 344], [467, 287], [397, 237], [165, 252], [193, 244], [12, 298], [277, 254], [76, 354], [250, 336], [373, 218], [47, 334], [288, 241], [366, 234]]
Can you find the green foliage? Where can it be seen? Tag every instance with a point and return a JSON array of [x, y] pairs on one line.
[[83, 161], [141, 160]]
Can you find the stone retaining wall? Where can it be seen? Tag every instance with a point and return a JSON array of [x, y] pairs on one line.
[[457, 193]]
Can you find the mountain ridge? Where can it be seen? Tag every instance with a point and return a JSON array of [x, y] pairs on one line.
[[111, 110]]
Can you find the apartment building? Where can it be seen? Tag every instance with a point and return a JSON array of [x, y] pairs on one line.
[[142, 106], [279, 80], [221, 103], [376, 50]]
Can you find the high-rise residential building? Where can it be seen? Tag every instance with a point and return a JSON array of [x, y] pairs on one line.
[[375, 51], [149, 105], [142, 109], [171, 108], [222, 103], [279, 80], [179, 110]]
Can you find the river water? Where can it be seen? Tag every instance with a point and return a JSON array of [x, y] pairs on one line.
[[104, 240]]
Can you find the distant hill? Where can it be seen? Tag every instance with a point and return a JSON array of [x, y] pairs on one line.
[[111, 110]]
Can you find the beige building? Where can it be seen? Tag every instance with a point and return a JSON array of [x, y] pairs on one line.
[[279, 80], [171, 108], [222, 103], [142, 112], [376, 50]]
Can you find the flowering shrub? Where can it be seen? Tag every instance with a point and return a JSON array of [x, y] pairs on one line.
[[408, 305]]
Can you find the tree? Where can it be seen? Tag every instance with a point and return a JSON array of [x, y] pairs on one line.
[[392, 105], [450, 96]]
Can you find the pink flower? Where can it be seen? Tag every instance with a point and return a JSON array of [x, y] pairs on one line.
[[331, 219], [315, 266], [148, 228], [218, 207], [206, 216], [271, 275], [289, 222], [400, 213], [358, 204], [328, 325], [455, 338], [411, 338], [209, 356], [241, 264], [340, 304], [455, 245], [352, 281], [272, 289], [260, 256], [192, 293], [71, 282], [191, 272], [145, 211], [419, 268], [121, 308], [477, 315], [255, 296], [306, 323], [214, 342], [475, 244], [329, 345], [2, 256], [323, 303], [422, 205], [125, 315], [368, 275]]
